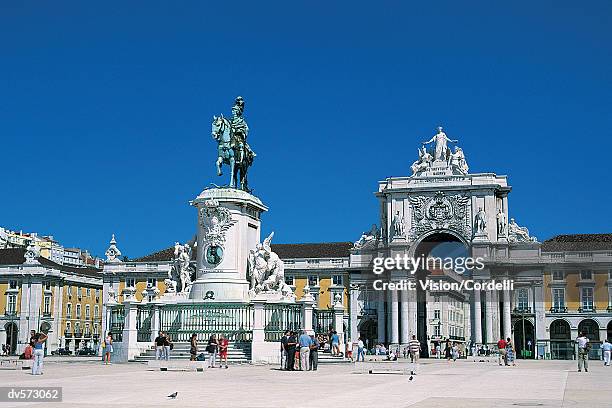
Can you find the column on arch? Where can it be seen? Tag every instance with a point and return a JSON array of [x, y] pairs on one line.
[[380, 317], [393, 316], [405, 316], [477, 317]]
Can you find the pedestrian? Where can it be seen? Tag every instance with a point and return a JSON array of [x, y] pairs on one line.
[[211, 349], [502, 355], [448, 350], [38, 341], [510, 352], [583, 352], [28, 353], [193, 347], [283, 350], [108, 348], [291, 343], [606, 347], [168, 345], [335, 343], [414, 347], [223, 347], [360, 350], [305, 343], [313, 360], [348, 350], [4, 353], [159, 346]]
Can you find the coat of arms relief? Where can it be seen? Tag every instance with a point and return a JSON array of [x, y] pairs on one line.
[[440, 212]]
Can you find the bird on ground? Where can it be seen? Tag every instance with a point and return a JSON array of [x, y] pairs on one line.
[[173, 395]]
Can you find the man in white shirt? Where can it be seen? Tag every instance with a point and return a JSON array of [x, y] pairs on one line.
[[583, 352], [360, 350], [606, 347]]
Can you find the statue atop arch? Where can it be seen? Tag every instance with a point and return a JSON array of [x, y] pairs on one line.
[[440, 159]]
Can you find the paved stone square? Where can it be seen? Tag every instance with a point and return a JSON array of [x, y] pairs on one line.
[[438, 384]]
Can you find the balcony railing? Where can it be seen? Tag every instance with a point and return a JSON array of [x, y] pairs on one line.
[[558, 309], [522, 310], [588, 309]]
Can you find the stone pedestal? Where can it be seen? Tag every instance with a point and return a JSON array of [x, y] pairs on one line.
[[129, 346], [228, 228]]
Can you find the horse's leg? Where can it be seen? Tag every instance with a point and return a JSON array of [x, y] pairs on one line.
[[219, 163], [232, 172]]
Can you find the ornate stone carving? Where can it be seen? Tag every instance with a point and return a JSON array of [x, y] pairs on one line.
[[32, 253], [439, 212], [440, 160], [441, 150], [113, 253], [267, 271], [517, 233], [217, 220], [369, 239], [480, 223]]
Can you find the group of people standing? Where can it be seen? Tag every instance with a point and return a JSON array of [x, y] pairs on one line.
[[299, 352], [215, 347]]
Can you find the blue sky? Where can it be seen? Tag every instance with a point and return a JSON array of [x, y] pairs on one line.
[[105, 110]]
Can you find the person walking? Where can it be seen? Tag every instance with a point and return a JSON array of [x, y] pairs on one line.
[[606, 348], [223, 347], [502, 355], [510, 352], [283, 350], [448, 350], [39, 353], [314, 353], [193, 347], [211, 349], [108, 348], [335, 343], [305, 343], [360, 350], [159, 346], [291, 343], [583, 352], [414, 347]]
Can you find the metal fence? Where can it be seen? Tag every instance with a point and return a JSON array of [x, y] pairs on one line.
[[117, 322], [278, 318], [233, 320], [322, 320], [143, 323]]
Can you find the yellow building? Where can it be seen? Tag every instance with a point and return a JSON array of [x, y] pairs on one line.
[[38, 294]]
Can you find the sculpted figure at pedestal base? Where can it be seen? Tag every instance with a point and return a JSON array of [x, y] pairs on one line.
[[267, 271], [517, 233]]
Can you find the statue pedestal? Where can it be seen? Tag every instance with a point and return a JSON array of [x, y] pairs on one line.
[[228, 227]]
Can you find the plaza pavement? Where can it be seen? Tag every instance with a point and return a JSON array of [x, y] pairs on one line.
[[87, 383]]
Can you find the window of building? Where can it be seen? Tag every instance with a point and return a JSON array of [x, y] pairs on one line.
[[48, 285], [313, 280], [558, 295], [437, 298], [47, 305], [87, 311], [151, 282], [436, 314], [78, 310], [95, 332], [586, 275], [88, 292], [77, 327], [337, 280], [86, 328], [68, 327], [97, 294], [79, 292], [130, 282], [96, 311], [437, 331], [11, 306], [69, 290], [558, 275], [289, 280], [522, 299], [12, 284], [586, 298], [68, 311]]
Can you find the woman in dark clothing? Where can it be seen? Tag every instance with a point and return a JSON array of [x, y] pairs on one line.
[[193, 349], [448, 350]]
